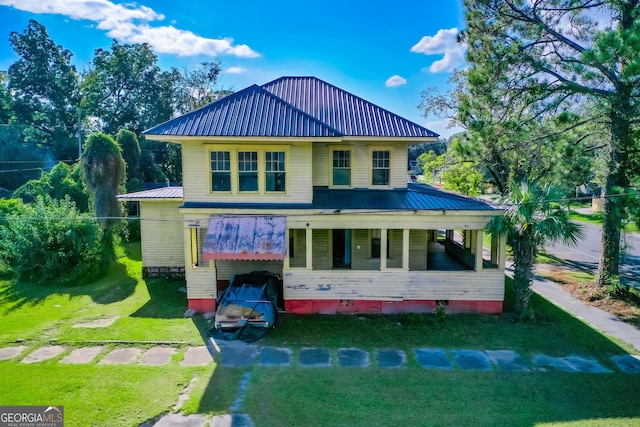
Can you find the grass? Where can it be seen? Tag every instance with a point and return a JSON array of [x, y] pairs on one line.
[[596, 218], [152, 310]]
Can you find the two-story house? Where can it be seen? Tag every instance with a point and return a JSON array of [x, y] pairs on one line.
[[306, 180]]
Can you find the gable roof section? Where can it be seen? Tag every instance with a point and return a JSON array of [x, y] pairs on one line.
[[350, 114], [250, 112], [292, 107]]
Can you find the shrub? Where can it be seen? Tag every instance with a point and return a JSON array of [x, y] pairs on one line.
[[50, 241]]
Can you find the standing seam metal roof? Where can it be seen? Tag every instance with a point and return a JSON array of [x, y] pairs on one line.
[[292, 107]]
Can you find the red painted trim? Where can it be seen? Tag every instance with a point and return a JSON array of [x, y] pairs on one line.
[[388, 307], [202, 305]]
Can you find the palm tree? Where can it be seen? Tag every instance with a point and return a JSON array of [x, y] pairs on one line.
[[533, 219]]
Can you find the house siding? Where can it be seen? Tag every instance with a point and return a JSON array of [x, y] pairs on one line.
[[161, 230], [394, 285], [197, 181]]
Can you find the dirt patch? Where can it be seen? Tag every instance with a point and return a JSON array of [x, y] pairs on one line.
[[581, 286]]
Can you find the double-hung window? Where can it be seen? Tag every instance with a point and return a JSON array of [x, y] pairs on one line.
[[381, 164], [342, 168], [220, 171], [275, 171], [247, 171]]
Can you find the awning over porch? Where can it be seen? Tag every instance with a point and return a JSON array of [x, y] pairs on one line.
[[245, 238]]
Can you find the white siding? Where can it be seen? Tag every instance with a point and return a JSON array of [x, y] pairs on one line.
[[321, 253], [201, 283], [397, 285], [161, 234], [320, 164]]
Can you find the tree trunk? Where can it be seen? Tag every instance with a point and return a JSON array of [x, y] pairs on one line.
[[617, 185], [523, 255]]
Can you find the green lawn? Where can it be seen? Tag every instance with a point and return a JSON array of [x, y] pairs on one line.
[[596, 218], [152, 311]]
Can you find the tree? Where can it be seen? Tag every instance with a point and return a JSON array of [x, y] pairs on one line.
[[553, 55], [63, 245], [533, 218], [103, 170], [6, 104], [62, 182], [125, 88], [197, 87], [44, 86], [128, 142]]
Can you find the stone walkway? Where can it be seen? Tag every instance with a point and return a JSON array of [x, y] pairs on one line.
[[238, 354]]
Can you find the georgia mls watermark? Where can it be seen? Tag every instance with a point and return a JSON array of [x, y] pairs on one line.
[[31, 416]]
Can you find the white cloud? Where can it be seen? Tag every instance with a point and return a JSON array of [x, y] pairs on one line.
[[130, 23], [445, 43], [236, 70], [395, 81]]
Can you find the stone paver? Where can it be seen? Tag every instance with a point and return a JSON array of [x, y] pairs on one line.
[[587, 365], [314, 357], [157, 356], [240, 354], [179, 420], [433, 358], [7, 353], [507, 360], [391, 359], [627, 363], [353, 358], [542, 361], [274, 356], [231, 420], [98, 323], [43, 353], [196, 356], [121, 356], [82, 355], [472, 360]]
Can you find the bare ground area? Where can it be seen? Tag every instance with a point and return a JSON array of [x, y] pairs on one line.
[[582, 286]]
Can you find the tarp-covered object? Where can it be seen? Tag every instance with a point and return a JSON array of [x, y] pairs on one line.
[[247, 309], [245, 238]]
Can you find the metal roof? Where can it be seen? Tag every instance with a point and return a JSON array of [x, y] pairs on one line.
[[350, 114], [250, 112], [414, 197], [292, 107], [157, 193]]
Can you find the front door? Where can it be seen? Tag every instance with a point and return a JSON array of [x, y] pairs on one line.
[[341, 248]]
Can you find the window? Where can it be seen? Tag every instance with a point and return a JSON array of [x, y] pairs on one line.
[[380, 168], [275, 171], [342, 168], [220, 171], [247, 171], [376, 245]]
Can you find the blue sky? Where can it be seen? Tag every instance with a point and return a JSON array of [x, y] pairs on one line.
[[385, 52]]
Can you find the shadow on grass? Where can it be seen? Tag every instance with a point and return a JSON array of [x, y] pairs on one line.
[[166, 300], [116, 285]]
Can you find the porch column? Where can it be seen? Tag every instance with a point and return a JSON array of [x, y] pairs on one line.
[[285, 262], [502, 251], [495, 242], [478, 248], [309, 249], [383, 249], [405, 249]]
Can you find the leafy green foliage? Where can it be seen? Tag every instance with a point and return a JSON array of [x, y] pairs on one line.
[[61, 182], [103, 170], [44, 85], [63, 245], [128, 142], [126, 89]]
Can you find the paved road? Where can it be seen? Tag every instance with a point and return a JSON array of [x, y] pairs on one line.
[[586, 254]]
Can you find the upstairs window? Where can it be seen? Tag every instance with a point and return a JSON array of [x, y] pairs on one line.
[[247, 171], [342, 167], [275, 171], [220, 171], [381, 165]]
